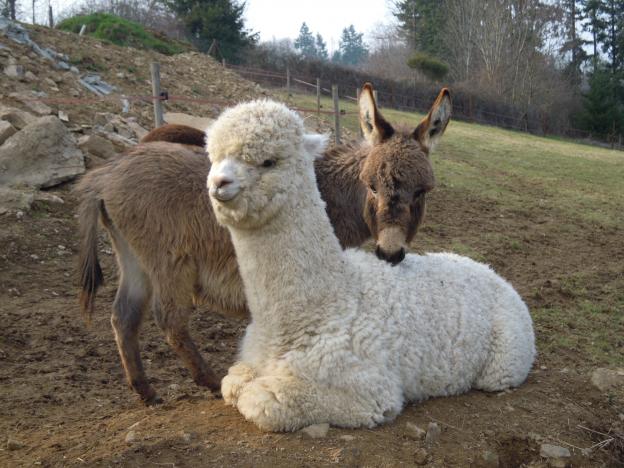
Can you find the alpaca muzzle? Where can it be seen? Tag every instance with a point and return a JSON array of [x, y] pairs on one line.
[[222, 183]]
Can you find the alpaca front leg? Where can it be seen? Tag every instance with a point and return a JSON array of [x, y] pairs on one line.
[[285, 403], [279, 403], [238, 375]]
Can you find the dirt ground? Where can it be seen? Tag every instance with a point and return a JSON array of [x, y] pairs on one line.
[[63, 399]]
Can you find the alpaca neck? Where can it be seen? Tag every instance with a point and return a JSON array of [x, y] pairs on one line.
[[291, 262], [338, 174]]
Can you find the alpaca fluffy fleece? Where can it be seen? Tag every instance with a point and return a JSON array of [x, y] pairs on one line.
[[339, 336]]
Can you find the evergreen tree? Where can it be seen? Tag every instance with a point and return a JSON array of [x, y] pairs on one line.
[[352, 48], [573, 15], [207, 20], [421, 24], [321, 48], [595, 25], [613, 22], [305, 43], [602, 115]]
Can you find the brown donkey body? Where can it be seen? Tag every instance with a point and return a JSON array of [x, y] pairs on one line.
[[172, 254]]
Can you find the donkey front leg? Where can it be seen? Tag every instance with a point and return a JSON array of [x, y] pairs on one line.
[[172, 317]]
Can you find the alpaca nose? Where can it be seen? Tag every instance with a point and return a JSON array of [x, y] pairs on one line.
[[221, 181]]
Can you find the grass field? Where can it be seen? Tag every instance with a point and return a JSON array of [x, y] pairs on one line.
[[560, 209]]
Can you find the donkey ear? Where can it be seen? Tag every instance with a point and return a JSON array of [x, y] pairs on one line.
[[432, 127], [374, 127], [315, 144]]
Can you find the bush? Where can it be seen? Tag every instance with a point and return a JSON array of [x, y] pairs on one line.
[[121, 32], [431, 67]]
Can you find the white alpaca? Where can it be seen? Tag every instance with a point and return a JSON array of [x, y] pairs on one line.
[[340, 336]]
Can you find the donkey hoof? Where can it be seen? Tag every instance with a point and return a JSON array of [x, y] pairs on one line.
[[210, 380], [152, 401]]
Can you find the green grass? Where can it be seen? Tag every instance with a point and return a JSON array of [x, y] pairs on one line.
[[121, 32]]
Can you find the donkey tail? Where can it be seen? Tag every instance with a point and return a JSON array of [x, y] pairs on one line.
[[91, 278]]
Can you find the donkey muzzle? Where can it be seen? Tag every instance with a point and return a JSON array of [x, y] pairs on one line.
[[393, 258]]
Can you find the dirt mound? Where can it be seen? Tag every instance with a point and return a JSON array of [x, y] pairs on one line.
[[189, 75]]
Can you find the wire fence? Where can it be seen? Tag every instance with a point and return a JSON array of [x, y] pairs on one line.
[[461, 111]]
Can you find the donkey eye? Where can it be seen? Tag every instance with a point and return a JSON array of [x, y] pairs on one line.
[[373, 189], [268, 163]]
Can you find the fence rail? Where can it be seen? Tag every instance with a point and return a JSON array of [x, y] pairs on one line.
[[470, 113]]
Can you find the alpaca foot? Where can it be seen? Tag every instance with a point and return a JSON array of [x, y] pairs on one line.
[[267, 402], [232, 384]]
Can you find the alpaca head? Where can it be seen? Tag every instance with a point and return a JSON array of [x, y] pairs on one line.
[[260, 157], [398, 173]]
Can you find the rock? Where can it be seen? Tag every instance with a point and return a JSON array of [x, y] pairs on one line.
[[131, 437], [490, 459], [13, 199], [139, 131], [18, 118], [6, 130], [421, 457], [414, 432], [63, 116], [606, 379], [119, 142], [30, 76], [316, 431], [43, 154], [15, 71], [50, 82], [32, 101], [187, 437], [13, 444], [97, 146], [433, 433], [554, 453], [347, 438], [49, 198]]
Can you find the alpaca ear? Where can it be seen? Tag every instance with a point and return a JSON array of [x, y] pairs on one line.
[[374, 127], [315, 144], [432, 127]]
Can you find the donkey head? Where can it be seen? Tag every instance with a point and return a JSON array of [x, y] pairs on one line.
[[398, 173]]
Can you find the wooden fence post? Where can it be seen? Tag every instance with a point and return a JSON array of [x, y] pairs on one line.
[[223, 62], [288, 80], [158, 110], [83, 28], [357, 95], [318, 102], [336, 114]]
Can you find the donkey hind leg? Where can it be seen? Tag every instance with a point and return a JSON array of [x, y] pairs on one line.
[[172, 317], [130, 303]]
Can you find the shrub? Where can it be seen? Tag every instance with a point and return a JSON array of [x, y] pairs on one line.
[[121, 32], [431, 67]]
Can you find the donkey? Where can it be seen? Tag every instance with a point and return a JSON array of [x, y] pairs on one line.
[[173, 255], [177, 133]]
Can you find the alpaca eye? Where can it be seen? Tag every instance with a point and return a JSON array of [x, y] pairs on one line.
[[268, 163], [373, 189]]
